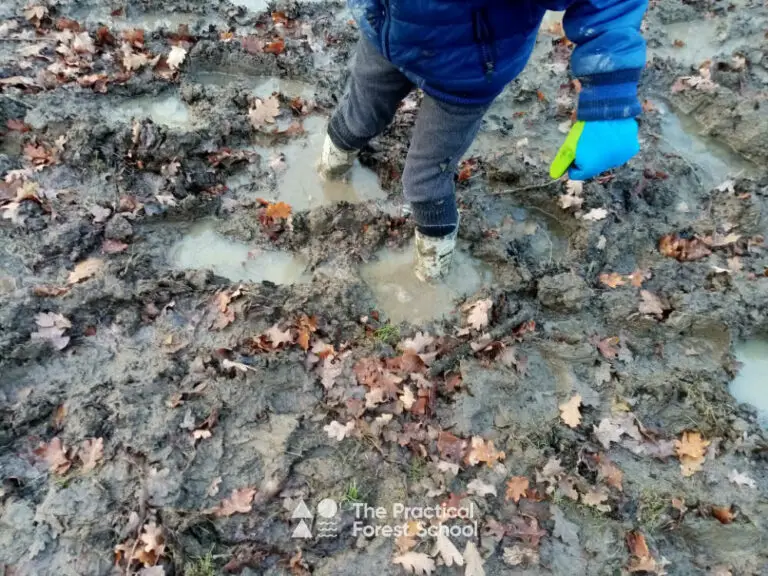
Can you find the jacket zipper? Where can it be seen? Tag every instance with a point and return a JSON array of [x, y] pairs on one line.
[[385, 29], [484, 37]]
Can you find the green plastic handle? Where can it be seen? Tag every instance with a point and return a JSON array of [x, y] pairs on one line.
[[567, 153]]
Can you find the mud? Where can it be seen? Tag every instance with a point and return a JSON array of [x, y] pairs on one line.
[[166, 350]]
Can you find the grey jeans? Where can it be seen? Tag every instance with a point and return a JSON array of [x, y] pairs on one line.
[[443, 133]]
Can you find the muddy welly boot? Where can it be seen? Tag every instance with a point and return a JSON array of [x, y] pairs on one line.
[[434, 255], [335, 162]]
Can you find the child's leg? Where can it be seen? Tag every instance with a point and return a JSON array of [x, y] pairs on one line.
[[443, 133], [375, 90]]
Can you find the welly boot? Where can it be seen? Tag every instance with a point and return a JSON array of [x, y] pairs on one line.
[[434, 255], [335, 162]]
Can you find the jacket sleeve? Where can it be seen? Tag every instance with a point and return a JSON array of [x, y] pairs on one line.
[[609, 56]]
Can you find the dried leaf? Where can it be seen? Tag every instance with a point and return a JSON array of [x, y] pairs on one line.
[[650, 304], [691, 450], [595, 499], [607, 432], [276, 47], [612, 280], [595, 214], [415, 563], [447, 550], [264, 111], [478, 317], [278, 337], [610, 473], [482, 451], [723, 514], [91, 453], [278, 210], [569, 411], [176, 57], [473, 560], [339, 431], [480, 488], [516, 488], [682, 249], [240, 502], [56, 455], [84, 270], [153, 540]]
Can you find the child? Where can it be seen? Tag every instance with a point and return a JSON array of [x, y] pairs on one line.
[[462, 53]]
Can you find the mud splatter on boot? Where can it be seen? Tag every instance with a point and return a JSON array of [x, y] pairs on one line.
[[335, 162], [434, 255]]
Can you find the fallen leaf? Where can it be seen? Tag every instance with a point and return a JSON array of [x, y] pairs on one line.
[[612, 280], [450, 446], [516, 488], [407, 397], [176, 57], [447, 550], [474, 561], [478, 313], [240, 501], [278, 337], [569, 411], [595, 214], [420, 342], [483, 451], [213, 487], [723, 514], [480, 488], [650, 304], [608, 431], [264, 111], [278, 210], [338, 431], [35, 13], [691, 450], [595, 499], [56, 455], [91, 453], [84, 270], [682, 249], [48, 291], [51, 327], [638, 277], [153, 540], [415, 563], [276, 47], [741, 479], [610, 473]]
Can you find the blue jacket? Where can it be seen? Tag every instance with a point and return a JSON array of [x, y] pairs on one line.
[[467, 51]]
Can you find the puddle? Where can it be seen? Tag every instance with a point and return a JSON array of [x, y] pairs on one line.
[[401, 296], [259, 85], [751, 383], [298, 182], [167, 110], [148, 21], [714, 160], [203, 248]]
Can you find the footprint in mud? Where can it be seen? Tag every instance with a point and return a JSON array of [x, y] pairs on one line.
[[401, 296], [751, 383], [164, 109], [298, 182], [203, 248]]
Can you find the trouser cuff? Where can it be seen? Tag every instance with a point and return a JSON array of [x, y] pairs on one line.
[[436, 217], [340, 135]]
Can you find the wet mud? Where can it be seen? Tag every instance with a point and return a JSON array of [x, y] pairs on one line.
[[179, 287]]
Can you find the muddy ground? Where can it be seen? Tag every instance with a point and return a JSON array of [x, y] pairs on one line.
[[158, 417]]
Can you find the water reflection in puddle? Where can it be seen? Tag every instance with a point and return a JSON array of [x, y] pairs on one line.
[[168, 110], [298, 182], [203, 248], [260, 86], [751, 383], [715, 161], [401, 296]]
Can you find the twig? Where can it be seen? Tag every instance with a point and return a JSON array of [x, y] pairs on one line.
[[444, 364], [524, 188]]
